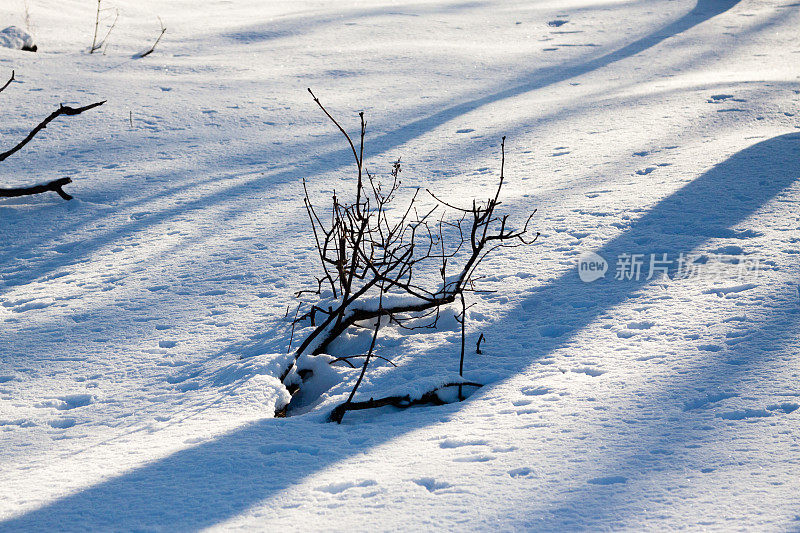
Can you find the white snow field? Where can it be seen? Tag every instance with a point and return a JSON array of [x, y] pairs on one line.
[[143, 323]]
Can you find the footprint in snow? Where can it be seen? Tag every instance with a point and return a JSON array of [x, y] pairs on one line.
[[535, 391], [744, 414], [430, 484], [717, 98], [785, 408], [62, 423], [520, 472], [482, 458], [589, 371], [708, 399], [336, 488], [458, 443]]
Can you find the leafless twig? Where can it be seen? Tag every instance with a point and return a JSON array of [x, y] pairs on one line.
[[62, 110], [55, 185], [153, 48], [97, 45], [3, 88]]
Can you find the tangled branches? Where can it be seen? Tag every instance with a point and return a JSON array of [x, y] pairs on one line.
[[387, 267]]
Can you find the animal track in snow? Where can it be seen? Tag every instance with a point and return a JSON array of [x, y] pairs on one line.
[[717, 98], [535, 391], [710, 348], [430, 484], [784, 407], [62, 423], [458, 443], [520, 472], [336, 488], [589, 371], [707, 400], [67, 403], [722, 291], [743, 414]]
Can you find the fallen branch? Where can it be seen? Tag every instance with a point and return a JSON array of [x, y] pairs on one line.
[[62, 110], [401, 402], [55, 186]]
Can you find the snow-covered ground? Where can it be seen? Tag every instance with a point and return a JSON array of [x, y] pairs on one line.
[[143, 322]]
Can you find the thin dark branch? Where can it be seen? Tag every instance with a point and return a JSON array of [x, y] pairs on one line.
[[96, 27], [478, 346], [3, 88], [347, 358], [363, 370], [62, 110], [349, 140], [401, 402], [153, 48]]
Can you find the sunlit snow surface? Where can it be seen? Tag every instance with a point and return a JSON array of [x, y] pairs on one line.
[[143, 323]]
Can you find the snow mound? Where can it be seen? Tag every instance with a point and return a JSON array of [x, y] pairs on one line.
[[18, 39]]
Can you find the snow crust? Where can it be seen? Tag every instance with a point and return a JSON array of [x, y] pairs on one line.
[[143, 325], [13, 37]]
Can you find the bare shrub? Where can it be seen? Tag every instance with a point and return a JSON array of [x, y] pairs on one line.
[[383, 266]]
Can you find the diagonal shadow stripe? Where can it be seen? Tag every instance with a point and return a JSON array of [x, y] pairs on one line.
[[544, 77], [336, 159], [215, 481]]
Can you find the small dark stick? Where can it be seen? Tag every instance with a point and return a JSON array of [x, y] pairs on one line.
[[153, 48], [62, 110], [339, 414], [3, 88], [478, 347], [463, 340], [291, 337], [96, 46]]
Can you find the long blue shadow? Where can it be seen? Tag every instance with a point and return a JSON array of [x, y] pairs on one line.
[[593, 507], [290, 26], [533, 80], [544, 77], [215, 481]]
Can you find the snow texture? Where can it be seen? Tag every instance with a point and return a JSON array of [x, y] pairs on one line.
[[16, 38]]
